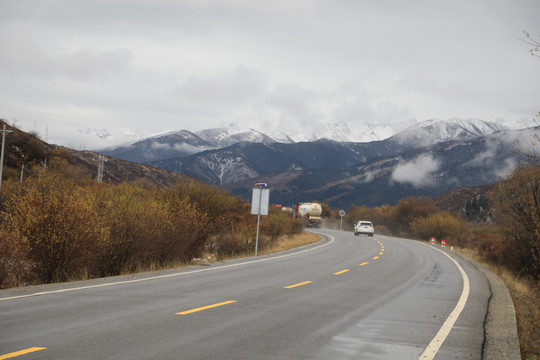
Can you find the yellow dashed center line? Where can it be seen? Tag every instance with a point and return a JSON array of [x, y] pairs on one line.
[[375, 258], [205, 307], [364, 263], [22, 352], [299, 284], [341, 272], [380, 253]]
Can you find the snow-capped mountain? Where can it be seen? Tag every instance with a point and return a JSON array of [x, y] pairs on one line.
[[343, 132], [163, 146], [362, 131], [424, 159], [104, 137], [435, 131], [244, 160], [182, 143], [221, 137], [387, 174]]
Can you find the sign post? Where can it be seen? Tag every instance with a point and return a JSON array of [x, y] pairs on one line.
[[260, 198], [342, 214]]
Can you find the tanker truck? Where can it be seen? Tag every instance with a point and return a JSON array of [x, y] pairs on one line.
[[309, 213]]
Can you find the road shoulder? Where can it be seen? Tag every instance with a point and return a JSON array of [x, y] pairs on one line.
[[501, 338]]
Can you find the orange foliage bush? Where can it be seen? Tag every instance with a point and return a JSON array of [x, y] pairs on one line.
[[517, 212], [441, 225], [57, 223], [54, 228]]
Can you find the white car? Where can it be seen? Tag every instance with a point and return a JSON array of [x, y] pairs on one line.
[[364, 227]]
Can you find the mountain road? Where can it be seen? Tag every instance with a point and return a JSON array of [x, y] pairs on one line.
[[346, 297]]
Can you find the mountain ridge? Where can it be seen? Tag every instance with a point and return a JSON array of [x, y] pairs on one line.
[[413, 162]]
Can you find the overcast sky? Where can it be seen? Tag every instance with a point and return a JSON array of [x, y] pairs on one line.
[[150, 66]]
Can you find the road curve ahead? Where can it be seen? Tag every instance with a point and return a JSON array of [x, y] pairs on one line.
[[349, 297]]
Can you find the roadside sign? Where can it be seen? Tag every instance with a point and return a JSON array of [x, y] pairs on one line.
[[341, 213], [260, 198]]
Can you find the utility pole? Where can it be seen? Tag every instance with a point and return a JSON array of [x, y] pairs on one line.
[[101, 165], [4, 132], [22, 174]]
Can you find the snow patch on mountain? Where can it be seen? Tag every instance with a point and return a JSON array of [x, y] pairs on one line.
[[233, 134], [435, 131], [407, 131], [342, 131], [228, 168]]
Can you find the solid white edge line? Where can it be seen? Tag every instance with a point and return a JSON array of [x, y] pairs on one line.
[[435, 344], [169, 275]]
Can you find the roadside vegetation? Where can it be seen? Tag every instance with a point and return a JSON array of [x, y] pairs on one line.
[[57, 228]]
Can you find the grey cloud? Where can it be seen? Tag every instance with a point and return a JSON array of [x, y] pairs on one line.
[[194, 64], [240, 85], [89, 64], [27, 59]]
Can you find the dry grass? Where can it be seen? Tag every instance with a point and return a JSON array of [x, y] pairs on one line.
[[283, 243], [526, 297], [288, 242]]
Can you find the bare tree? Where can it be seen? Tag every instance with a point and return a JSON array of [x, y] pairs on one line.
[[528, 39], [532, 153]]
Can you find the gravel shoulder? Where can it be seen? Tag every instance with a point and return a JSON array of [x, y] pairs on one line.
[[501, 337]]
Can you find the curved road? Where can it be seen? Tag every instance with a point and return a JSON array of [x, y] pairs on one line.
[[349, 297]]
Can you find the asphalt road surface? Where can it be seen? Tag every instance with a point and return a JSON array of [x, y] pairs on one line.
[[349, 297]]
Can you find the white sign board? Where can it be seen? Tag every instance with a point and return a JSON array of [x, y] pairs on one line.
[[259, 201]]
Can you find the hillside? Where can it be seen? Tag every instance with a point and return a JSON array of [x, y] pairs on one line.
[[470, 202], [26, 149]]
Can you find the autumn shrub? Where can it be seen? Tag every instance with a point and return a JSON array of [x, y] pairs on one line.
[[184, 232], [126, 215], [516, 203], [231, 244], [142, 229], [382, 230], [356, 213], [278, 223], [491, 247], [57, 223], [406, 211], [442, 226], [220, 208], [13, 261]]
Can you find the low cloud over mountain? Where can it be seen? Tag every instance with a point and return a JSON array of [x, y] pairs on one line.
[[419, 172]]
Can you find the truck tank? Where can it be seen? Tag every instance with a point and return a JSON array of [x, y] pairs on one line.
[[310, 213]]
